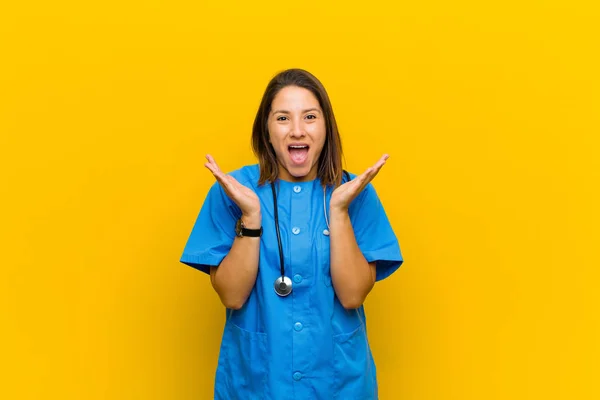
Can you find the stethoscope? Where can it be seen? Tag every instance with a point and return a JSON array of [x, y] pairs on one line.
[[283, 284]]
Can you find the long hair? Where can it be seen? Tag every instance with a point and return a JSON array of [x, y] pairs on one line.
[[329, 169]]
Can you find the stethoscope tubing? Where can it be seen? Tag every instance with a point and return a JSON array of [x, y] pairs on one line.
[[281, 267], [283, 284]]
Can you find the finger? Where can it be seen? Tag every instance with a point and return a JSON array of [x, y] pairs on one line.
[[375, 168], [233, 182], [236, 191], [215, 171], [233, 186], [212, 163], [210, 167], [357, 184], [214, 168], [222, 180], [218, 174], [365, 176], [381, 161], [371, 172]]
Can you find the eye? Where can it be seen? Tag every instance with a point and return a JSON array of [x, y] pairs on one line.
[[311, 116], [281, 118]]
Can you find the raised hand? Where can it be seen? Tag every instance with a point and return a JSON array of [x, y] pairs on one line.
[[343, 195], [244, 197]]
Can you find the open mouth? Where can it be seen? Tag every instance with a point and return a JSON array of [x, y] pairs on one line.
[[298, 153]]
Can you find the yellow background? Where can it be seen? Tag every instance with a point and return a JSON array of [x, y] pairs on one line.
[[490, 112]]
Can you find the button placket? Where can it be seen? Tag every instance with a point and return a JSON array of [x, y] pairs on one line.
[[300, 232]]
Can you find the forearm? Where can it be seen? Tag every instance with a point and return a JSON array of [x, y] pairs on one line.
[[352, 276], [235, 277]]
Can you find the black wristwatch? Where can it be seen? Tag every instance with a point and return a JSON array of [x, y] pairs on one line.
[[241, 230]]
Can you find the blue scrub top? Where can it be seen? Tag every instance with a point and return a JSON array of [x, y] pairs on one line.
[[305, 345]]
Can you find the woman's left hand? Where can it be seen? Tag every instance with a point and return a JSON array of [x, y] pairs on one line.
[[344, 194]]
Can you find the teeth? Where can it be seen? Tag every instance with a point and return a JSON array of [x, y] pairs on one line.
[[298, 147]]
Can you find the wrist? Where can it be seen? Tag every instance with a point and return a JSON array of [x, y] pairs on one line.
[[338, 212], [252, 220]]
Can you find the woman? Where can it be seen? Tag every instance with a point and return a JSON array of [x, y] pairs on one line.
[[293, 246]]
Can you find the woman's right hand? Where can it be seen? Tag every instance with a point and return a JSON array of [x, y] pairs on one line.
[[244, 197]]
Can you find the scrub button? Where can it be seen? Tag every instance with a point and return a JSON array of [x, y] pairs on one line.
[[297, 326], [297, 376], [326, 232], [297, 278], [295, 230], [297, 189]]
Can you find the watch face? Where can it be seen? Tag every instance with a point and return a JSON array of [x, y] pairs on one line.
[[238, 228]]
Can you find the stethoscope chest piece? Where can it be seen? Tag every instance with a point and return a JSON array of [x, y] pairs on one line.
[[283, 286]]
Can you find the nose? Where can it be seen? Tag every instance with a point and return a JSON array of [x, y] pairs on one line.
[[297, 129]]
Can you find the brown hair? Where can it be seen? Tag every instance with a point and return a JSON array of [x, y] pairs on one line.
[[329, 169]]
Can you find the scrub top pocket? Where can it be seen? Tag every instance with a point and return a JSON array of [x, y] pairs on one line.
[[353, 366], [241, 372], [324, 258]]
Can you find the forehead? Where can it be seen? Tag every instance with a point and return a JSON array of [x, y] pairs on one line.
[[294, 97]]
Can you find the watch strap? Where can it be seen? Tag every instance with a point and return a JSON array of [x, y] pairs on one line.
[[241, 230]]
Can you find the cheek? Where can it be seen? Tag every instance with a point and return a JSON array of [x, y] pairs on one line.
[[276, 140], [275, 135], [318, 132]]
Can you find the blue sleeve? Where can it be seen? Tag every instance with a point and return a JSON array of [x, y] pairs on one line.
[[213, 232], [374, 233]]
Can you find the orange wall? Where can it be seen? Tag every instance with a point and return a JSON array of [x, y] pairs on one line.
[[490, 113]]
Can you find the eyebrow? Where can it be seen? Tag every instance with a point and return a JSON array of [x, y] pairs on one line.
[[304, 111]]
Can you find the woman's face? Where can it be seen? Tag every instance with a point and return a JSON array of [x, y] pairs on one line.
[[297, 132]]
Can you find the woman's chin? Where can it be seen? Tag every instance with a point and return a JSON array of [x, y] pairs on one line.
[[299, 172]]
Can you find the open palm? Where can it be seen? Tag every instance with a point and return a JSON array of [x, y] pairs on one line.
[[244, 197], [343, 195]]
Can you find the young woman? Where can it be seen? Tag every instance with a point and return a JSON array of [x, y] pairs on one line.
[[293, 246]]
